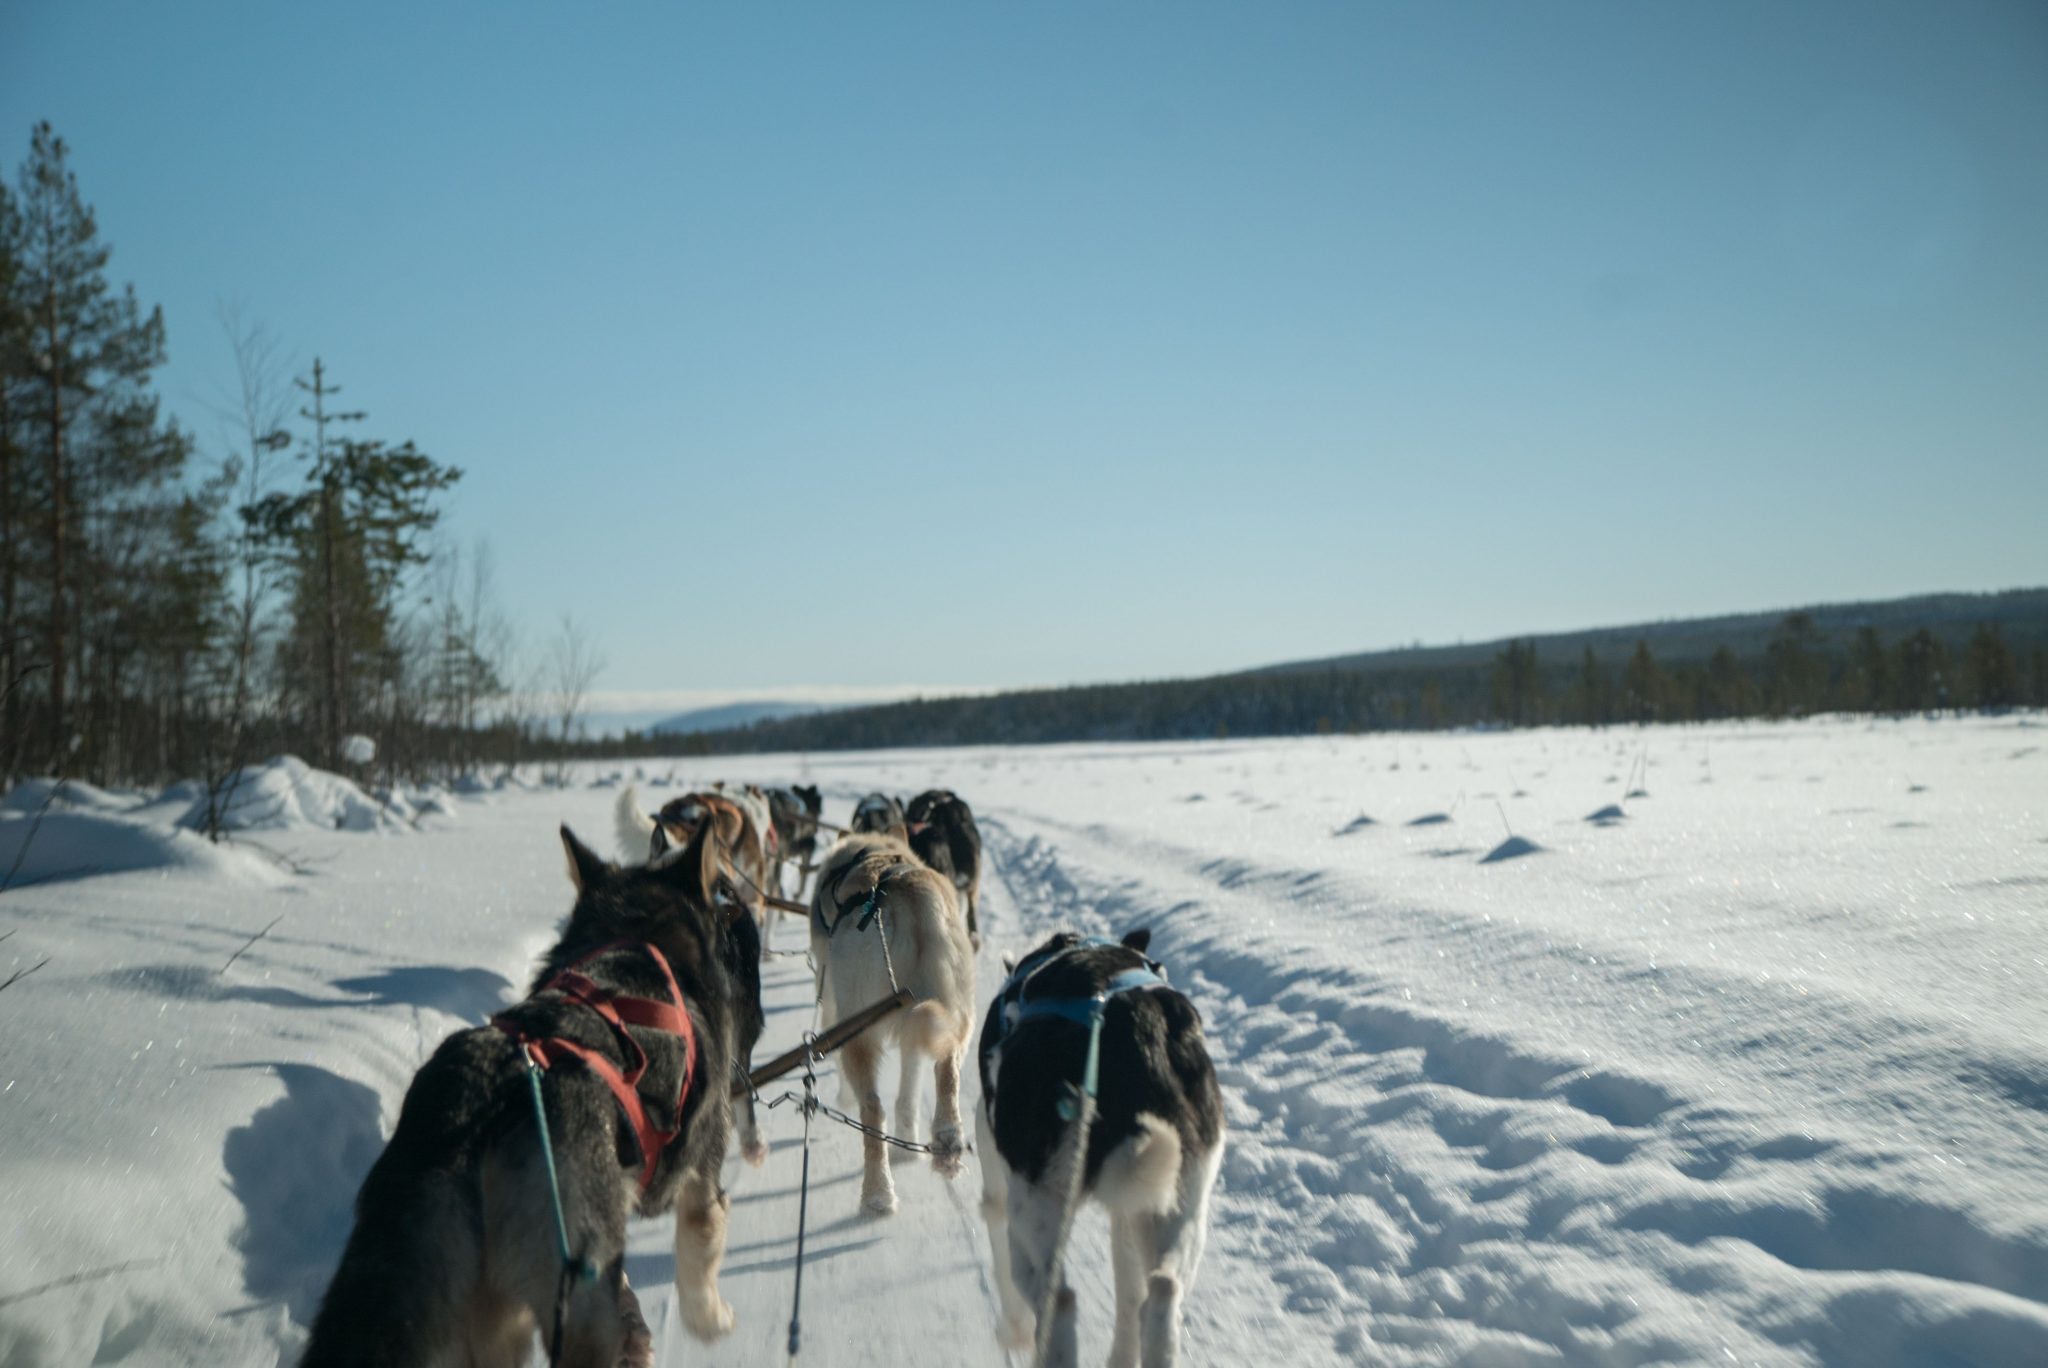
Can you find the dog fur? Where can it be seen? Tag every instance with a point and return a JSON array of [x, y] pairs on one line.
[[1153, 1151], [927, 944], [943, 835], [453, 1258], [795, 812], [642, 837], [637, 834], [880, 815]]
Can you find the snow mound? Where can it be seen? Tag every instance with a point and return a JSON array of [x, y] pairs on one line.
[[1513, 848], [287, 794], [79, 845], [33, 794], [1608, 815]]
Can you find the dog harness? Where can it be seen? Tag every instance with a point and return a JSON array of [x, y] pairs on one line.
[[1081, 1011], [619, 1011], [868, 905]]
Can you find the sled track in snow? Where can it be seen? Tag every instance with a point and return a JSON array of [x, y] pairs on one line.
[[1438, 1192]]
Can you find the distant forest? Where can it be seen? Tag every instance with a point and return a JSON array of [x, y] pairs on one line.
[[1919, 655], [174, 604]]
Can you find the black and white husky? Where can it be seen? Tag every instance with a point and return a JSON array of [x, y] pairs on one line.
[[455, 1255], [943, 834], [1153, 1150]]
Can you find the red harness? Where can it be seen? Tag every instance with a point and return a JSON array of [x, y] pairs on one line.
[[619, 1012]]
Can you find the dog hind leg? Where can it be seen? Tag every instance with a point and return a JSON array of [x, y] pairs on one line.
[[948, 1151], [1131, 1248], [861, 1064], [1177, 1239], [1034, 1231], [906, 1097], [701, 1209], [995, 1213]]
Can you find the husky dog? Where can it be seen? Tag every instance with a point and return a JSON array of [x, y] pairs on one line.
[[642, 838], [1153, 1150], [880, 919], [880, 815], [943, 834], [638, 834], [454, 1256], [795, 812]]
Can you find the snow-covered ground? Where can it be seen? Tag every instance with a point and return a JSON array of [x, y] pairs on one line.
[[1754, 1070]]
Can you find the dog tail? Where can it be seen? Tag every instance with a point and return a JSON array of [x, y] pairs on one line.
[[1143, 1173], [635, 828]]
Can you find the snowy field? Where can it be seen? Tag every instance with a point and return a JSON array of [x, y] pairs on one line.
[[1753, 1069]]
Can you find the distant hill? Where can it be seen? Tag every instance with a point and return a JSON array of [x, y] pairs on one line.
[[729, 715], [1952, 617], [1437, 686]]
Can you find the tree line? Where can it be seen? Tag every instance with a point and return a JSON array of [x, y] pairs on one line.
[[1799, 671], [173, 605]]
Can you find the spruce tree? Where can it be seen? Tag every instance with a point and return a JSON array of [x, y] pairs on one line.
[[86, 419], [347, 538], [1921, 668], [1870, 674], [1992, 675], [1643, 686], [1795, 667]]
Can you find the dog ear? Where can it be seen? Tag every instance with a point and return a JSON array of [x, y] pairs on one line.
[[697, 866], [586, 866], [1139, 939]]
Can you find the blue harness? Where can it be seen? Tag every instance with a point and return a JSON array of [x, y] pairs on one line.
[[1082, 1011]]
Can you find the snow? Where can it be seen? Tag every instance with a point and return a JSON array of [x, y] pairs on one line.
[[1757, 1075]]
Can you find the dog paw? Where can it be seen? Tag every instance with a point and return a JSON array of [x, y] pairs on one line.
[[636, 1350], [948, 1153], [712, 1321], [879, 1203], [754, 1150]]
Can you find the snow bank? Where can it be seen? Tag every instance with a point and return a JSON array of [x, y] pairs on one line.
[[78, 845], [287, 794]]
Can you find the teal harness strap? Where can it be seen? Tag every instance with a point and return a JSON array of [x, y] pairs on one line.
[[584, 1268]]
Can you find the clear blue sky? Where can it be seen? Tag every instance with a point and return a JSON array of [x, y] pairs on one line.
[[976, 344]]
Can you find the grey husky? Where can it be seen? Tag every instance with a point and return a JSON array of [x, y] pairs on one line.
[[455, 1257]]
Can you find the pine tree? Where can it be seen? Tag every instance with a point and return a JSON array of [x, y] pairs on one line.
[[1643, 686], [1992, 675], [1868, 685], [1518, 685], [1920, 668], [1795, 667], [1593, 697], [14, 483], [85, 416], [347, 539]]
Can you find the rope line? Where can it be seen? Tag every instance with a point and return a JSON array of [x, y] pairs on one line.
[[803, 1206], [573, 1268]]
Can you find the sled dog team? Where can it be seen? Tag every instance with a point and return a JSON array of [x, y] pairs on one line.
[[498, 1209]]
